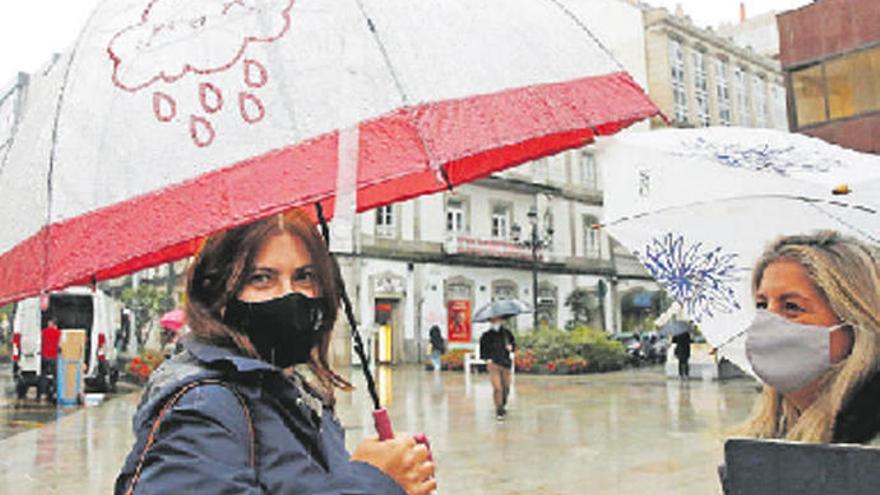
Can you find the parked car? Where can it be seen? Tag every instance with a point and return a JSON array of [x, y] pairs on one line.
[[632, 343], [655, 347], [74, 308]]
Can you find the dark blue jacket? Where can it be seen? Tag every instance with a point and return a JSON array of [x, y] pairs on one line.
[[204, 442]]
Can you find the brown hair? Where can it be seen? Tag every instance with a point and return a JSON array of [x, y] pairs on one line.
[[846, 273], [221, 269]]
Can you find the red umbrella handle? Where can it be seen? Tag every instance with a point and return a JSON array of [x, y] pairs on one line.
[[383, 428]]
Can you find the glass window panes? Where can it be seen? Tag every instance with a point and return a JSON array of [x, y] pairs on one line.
[[701, 89], [679, 93], [853, 84], [722, 92], [588, 170], [780, 119], [742, 96], [592, 237], [806, 84], [759, 100], [385, 221], [500, 222], [504, 292], [547, 305], [455, 216]]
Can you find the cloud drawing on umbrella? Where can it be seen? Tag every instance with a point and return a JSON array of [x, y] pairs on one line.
[[162, 45]]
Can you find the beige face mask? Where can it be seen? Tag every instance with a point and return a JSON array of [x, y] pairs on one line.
[[788, 355]]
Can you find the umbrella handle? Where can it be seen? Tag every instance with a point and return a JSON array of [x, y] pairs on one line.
[[383, 424], [383, 427]]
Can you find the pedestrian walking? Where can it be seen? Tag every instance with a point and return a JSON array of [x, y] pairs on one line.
[[49, 338], [496, 347], [438, 346], [231, 414], [682, 351]]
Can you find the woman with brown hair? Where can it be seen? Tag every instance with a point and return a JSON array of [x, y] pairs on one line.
[[815, 341], [231, 414]]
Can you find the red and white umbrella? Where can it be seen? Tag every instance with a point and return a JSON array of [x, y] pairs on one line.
[[172, 119]]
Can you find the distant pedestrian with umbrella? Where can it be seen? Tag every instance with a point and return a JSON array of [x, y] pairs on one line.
[[438, 346], [497, 345], [682, 351], [261, 299]]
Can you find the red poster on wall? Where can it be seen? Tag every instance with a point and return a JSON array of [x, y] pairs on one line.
[[459, 320]]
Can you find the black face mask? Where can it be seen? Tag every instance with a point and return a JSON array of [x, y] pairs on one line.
[[283, 330]]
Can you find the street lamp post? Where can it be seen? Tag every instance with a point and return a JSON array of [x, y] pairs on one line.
[[533, 219], [535, 242]]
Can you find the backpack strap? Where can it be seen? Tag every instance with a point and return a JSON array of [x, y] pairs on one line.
[[252, 447]]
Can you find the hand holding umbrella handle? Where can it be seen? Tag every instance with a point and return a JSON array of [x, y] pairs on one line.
[[383, 428]]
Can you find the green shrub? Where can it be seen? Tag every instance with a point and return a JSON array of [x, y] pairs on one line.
[[582, 348], [601, 352]]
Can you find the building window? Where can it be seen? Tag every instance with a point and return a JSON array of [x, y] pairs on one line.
[[592, 238], [455, 216], [759, 99], [500, 222], [701, 88], [722, 92], [853, 84], [588, 170], [838, 88], [742, 96], [679, 93], [780, 120], [385, 222], [547, 305]]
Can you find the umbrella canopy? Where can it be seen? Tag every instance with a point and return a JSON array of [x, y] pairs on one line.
[[698, 207], [173, 320], [501, 309], [674, 327], [172, 119]]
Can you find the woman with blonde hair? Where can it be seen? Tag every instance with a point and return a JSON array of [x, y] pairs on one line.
[[815, 340]]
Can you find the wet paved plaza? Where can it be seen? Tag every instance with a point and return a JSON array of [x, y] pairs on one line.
[[630, 432]]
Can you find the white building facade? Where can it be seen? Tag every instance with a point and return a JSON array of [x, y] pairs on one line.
[[701, 78], [436, 259]]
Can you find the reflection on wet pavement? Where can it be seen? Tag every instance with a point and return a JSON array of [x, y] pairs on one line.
[[619, 433], [25, 414]]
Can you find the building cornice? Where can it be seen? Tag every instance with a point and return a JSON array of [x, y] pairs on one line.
[[568, 191], [661, 20]]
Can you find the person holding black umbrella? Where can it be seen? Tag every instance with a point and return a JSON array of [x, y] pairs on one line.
[[231, 414], [496, 347]]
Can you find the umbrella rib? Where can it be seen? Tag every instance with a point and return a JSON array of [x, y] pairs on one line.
[[809, 201], [51, 167], [589, 32], [384, 52], [7, 145], [844, 222], [444, 175]]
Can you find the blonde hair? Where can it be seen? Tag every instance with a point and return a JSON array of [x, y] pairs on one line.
[[847, 273]]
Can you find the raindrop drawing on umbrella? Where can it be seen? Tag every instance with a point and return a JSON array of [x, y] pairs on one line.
[[149, 54]]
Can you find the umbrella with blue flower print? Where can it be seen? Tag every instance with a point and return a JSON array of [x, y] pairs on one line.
[[698, 207]]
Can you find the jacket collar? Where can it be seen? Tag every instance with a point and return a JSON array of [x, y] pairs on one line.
[[859, 420], [213, 355]]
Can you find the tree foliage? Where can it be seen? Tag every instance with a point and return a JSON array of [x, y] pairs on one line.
[[147, 302]]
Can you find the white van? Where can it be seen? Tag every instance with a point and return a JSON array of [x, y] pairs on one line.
[[73, 308]]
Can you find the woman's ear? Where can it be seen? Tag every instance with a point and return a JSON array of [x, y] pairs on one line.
[[841, 342]]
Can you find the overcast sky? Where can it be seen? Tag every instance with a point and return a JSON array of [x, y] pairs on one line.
[[32, 30]]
